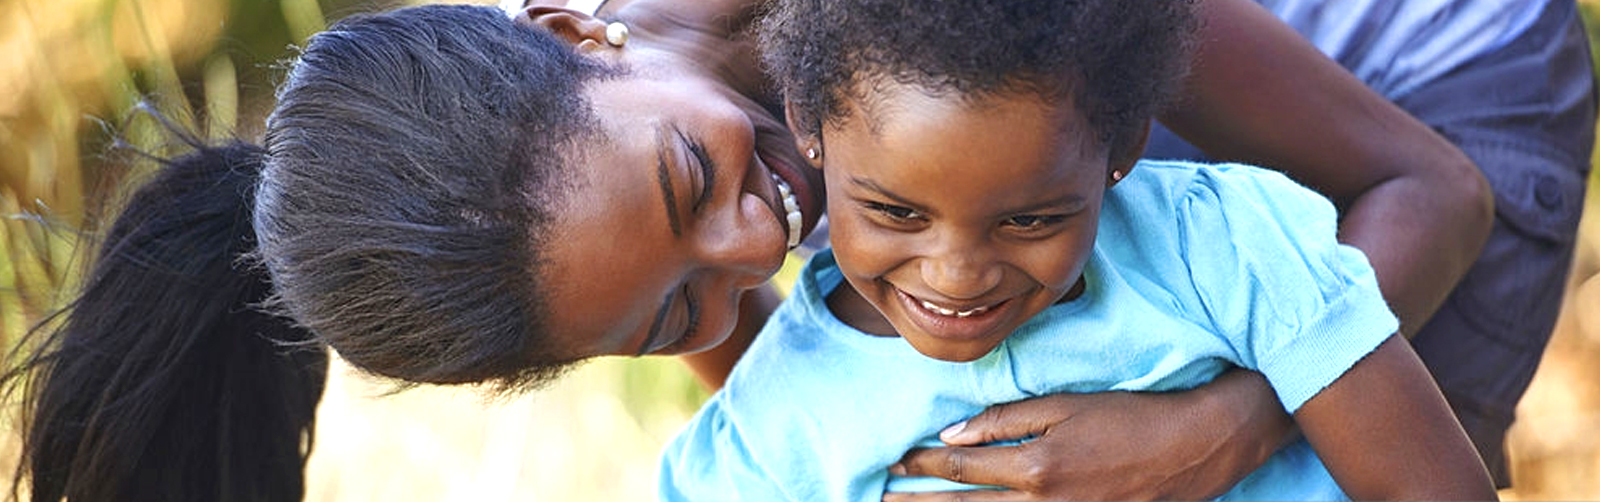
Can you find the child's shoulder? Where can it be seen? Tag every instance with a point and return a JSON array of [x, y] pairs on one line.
[[1181, 176], [1186, 212], [1181, 190]]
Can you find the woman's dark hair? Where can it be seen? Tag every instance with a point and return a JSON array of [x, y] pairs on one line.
[[161, 381], [1118, 61], [414, 159], [410, 169]]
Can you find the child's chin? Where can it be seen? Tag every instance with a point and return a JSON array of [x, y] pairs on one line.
[[950, 352]]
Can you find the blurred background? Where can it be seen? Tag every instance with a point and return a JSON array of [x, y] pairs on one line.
[[70, 71]]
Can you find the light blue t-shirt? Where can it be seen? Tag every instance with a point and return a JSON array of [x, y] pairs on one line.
[[1396, 46], [1196, 268]]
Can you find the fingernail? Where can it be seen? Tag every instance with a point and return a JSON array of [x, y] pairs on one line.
[[898, 469], [952, 431]]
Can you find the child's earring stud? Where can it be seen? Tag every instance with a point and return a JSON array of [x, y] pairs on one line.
[[1116, 175], [616, 34], [811, 153]]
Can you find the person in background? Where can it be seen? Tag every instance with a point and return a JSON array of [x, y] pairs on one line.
[[1511, 84]]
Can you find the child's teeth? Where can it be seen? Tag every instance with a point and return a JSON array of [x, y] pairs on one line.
[[936, 308], [950, 312]]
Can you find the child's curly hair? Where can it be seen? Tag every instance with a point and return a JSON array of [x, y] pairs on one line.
[[1118, 61]]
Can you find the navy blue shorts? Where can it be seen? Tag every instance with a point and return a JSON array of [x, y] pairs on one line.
[[1525, 114]]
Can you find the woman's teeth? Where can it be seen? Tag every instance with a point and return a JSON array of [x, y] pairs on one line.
[[950, 312], [791, 208]]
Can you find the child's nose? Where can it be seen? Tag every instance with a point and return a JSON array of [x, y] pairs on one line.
[[961, 275]]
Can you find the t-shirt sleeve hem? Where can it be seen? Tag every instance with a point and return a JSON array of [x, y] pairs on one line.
[[1349, 328]]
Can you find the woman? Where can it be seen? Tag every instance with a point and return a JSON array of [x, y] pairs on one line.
[[443, 197]]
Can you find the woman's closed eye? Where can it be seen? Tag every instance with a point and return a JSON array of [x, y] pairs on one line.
[[706, 167], [691, 323], [675, 322]]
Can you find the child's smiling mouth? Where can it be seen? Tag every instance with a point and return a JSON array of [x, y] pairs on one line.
[[953, 323], [947, 312]]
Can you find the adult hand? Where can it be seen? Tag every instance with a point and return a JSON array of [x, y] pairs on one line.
[[1109, 446]]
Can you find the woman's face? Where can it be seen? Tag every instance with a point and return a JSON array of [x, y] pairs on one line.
[[674, 215]]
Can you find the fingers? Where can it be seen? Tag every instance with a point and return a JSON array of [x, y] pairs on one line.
[[1011, 421], [958, 496], [1006, 466]]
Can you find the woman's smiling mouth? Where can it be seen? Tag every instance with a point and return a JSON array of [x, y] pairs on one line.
[[792, 218]]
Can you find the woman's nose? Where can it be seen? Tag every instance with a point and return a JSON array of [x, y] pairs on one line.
[[741, 247]]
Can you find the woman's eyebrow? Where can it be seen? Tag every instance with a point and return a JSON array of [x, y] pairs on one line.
[[664, 179], [655, 326]]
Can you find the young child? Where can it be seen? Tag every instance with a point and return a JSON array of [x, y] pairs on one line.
[[995, 238]]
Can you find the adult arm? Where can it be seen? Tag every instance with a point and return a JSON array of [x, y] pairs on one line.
[[1410, 200], [1112, 445], [1416, 205]]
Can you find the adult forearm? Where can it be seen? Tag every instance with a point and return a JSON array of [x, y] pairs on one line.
[[1421, 234], [1247, 424], [1413, 202]]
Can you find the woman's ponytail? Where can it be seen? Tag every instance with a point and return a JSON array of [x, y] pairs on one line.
[[163, 380]]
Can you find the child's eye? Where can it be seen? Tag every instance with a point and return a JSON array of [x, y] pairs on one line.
[[896, 213], [1033, 222]]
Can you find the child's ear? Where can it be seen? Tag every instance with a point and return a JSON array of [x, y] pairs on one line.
[[808, 142], [583, 31], [1126, 155]]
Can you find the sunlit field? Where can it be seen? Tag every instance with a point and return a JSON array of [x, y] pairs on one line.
[[72, 70]]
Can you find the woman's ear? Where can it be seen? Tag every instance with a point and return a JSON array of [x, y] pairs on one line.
[[807, 140], [583, 31], [1126, 155]]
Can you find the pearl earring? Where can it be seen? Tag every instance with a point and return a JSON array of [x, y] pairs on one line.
[[616, 34], [1116, 175], [811, 153]]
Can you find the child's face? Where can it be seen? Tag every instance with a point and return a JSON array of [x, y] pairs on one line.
[[960, 221]]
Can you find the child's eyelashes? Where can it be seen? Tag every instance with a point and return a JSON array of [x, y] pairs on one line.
[[897, 214], [1034, 222], [905, 218]]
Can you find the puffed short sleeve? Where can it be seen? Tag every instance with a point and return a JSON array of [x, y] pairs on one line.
[[1263, 255]]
